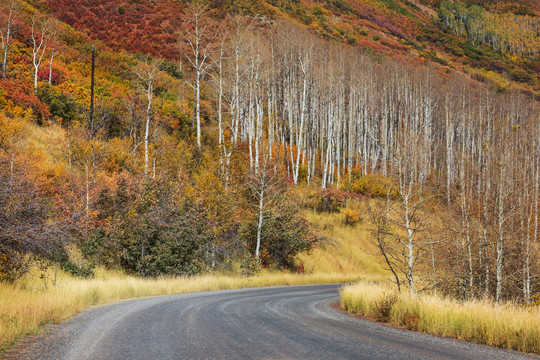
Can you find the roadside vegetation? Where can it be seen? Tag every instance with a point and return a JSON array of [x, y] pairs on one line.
[[44, 296], [509, 325], [34, 301]]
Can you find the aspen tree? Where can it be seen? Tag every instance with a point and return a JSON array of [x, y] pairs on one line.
[[41, 34], [7, 27], [147, 73], [199, 33]]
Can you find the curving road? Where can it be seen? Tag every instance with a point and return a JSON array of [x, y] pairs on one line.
[[294, 322]]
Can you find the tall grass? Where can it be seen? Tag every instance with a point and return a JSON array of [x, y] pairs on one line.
[[27, 305], [347, 249], [508, 326]]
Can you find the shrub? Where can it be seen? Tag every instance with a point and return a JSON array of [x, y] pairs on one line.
[[472, 52], [155, 232], [172, 247], [339, 6], [521, 76], [284, 235], [363, 32], [373, 185], [480, 78], [439, 60], [250, 266], [328, 200], [376, 38], [60, 105], [26, 233], [535, 301], [82, 271], [172, 69], [317, 11], [351, 217], [383, 308], [411, 321], [351, 39], [306, 19]]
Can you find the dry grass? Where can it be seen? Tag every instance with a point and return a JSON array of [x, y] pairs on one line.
[[348, 250], [27, 305], [508, 326]]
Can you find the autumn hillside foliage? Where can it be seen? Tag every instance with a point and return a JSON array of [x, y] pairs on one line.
[[208, 117]]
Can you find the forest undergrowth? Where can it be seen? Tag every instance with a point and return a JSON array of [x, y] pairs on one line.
[[51, 296]]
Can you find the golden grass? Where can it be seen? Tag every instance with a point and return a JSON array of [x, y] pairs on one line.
[[48, 141], [26, 305], [348, 250], [508, 326]]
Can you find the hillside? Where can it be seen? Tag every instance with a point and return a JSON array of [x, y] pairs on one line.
[[213, 127], [232, 141], [495, 42]]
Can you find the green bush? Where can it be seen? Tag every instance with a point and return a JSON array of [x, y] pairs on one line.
[[154, 232], [376, 38], [172, 246], [83, 271], [306, 19], [473, 52], [60, 105], [351, 39], [284, 235], [340, 6], [522, 76], [172, 69]]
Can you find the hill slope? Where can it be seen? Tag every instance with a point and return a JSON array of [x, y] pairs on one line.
[[497, 42]]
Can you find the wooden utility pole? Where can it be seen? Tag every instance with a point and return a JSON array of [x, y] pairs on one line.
[[92, 87]]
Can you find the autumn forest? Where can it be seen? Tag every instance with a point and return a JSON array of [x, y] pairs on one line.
[[206, 129]]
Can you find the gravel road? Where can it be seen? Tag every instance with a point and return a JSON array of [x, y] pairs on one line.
[[294, 322]]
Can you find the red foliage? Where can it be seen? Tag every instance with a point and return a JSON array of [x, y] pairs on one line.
[[135, 26], [43, 75], [24, 96]]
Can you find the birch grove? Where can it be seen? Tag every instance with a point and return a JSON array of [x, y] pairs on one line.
[[331, 113]]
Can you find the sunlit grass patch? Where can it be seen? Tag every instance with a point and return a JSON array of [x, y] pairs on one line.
[[348, 249], [27, 305], [509, 325]]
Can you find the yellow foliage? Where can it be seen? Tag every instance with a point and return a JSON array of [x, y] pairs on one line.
[[351, 217], [9, 128], [375, 185]]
